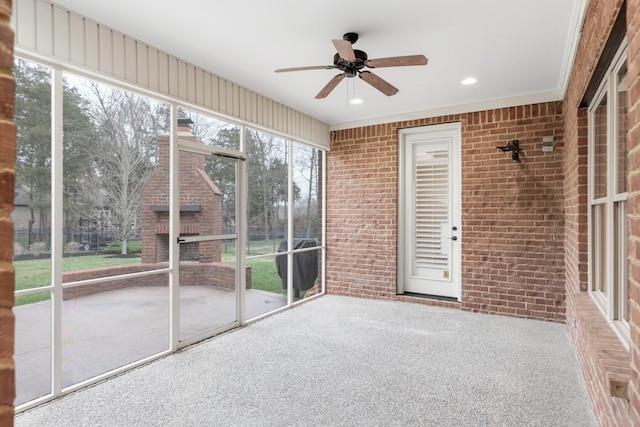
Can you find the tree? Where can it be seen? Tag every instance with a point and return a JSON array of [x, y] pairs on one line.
[[79, 134], [123, 156], [267, 171], [223, 173], [33, 142], [306, 162], [32, 117], [267, 174]]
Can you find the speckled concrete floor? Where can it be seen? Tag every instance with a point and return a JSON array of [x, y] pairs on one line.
[[338, 361]]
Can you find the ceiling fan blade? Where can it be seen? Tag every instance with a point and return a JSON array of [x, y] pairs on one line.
[[315, 67], [380, 84], [397, 61], [330, 86], [345, 50]]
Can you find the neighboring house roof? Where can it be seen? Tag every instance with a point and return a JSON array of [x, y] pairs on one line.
[[21, 197]]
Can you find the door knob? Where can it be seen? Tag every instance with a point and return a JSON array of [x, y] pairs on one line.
[[454, 238]]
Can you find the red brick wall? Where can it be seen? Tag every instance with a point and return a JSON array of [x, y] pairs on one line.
[[191, 274], [602, 357], [512, 213], [7, 176], [633, 61]]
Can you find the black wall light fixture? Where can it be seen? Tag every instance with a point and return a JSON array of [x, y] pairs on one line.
[[514, 147]]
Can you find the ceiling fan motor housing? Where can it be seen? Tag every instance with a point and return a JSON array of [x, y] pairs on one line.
[[351, 68]]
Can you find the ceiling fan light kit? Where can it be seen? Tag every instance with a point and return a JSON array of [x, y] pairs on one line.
[[352, 61]]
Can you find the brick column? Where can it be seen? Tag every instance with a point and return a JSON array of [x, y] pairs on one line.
[[7, 177]]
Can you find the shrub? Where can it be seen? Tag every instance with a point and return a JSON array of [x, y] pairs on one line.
[[37, 248], [18, 249], [133, 247], [73, 247]]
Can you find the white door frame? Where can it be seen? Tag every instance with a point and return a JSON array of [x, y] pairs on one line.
[[187, 146], [456, 209]]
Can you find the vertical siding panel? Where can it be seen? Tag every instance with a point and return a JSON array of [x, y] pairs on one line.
[[191, 83], [119, 55], [267, 114], [215, 92], [173, 76], [294, 127], [163, 72], [199, 86], [61, 33], [291, 122], [222, 95], [276, 112], [299, 124], [130, 60], [288, 121], [254, 107], [153, 70], [249, 96], [236, 100], [142, 64], [77, 39], [182, 80], [282, 117], [242, 107], [91, 45], [25, 12], [44, 27], [106, 50], [206, 89], [229, 97], [259, 108]]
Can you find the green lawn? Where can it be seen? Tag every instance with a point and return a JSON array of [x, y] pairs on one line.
[[37, 273], [254, 247], [264, 275]]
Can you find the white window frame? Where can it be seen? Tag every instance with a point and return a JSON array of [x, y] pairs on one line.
[[612, 301]]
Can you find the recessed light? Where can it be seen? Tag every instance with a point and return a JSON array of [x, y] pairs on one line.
[[469, 81], [356, 101]]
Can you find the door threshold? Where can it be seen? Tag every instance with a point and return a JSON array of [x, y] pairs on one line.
[[428, 296]]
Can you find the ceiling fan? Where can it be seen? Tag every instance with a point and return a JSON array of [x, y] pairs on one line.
[[352, 61]]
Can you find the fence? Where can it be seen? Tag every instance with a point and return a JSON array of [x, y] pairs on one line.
[[37, 241]]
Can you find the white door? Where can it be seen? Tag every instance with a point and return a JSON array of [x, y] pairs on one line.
[[429, 204]]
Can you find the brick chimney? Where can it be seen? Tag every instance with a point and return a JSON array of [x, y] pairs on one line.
[[200, 205]]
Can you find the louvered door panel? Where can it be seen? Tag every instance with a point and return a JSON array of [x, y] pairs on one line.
[[431, 210]]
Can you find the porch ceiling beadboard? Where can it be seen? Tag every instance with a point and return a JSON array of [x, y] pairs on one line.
[[50, 33]]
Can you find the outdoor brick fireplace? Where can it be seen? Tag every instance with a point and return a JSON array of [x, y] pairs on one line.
[[200, 214], [200, 206]]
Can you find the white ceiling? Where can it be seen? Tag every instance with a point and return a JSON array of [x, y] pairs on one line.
[[520, 51]]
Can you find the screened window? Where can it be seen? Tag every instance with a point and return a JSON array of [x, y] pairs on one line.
[[104, 177]]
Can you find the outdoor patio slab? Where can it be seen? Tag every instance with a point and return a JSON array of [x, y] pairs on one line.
[[110, 329], [340, 361]]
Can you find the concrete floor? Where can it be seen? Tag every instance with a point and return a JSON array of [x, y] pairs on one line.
[[105, 331], [339, 361]]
